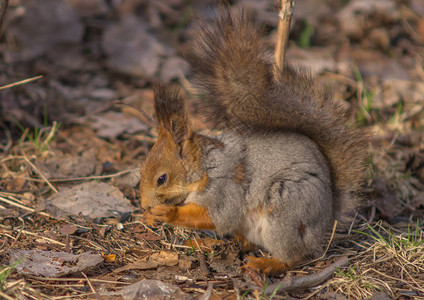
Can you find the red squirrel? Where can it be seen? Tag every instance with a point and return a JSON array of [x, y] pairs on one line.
[[288, 163]]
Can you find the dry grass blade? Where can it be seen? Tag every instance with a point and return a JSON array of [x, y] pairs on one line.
[[21, 206], [392, 263], [20, 82], [41, 174], [87, 177], [5, 296]]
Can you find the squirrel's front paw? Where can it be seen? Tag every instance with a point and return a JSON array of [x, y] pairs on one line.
[[149, 219], [163, 213]]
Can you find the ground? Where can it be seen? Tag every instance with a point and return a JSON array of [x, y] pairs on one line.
[[82, 129]]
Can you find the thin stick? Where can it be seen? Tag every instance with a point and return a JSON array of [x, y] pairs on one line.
[[24, 207], [149, 120], [303, 282], [20, 82], [41, 174], [3, 295], [44, 238], [285, 14], [89, 283], [85, 178], [81, 296], [78, 279]]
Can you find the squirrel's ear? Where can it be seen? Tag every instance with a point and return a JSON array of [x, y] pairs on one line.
[[171, 112]]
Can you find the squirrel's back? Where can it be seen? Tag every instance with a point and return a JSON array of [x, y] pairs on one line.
[[248, 94]]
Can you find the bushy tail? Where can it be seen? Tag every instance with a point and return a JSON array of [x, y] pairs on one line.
[[234, 66]]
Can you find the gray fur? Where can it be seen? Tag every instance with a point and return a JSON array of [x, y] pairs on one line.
[[224, 198], [286, 173]]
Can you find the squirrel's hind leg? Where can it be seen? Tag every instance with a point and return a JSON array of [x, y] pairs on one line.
[[244, 243], [268, 266]]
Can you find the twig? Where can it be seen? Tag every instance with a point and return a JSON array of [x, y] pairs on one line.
[[207, 295], [85, 178], [149, 120], [285, 14], [80, 296], [298, 283], [89, 283], [43, 237], [24, 207], [20, 82], [5, 296], [20, 231], [78, 279], [41, 174], [175, 246]]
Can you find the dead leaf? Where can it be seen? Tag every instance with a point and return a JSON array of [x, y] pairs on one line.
[[149, 236], [186, 263], [109, 258], [14, 183], [91, 199], [165, 258], [67, 229], [141, 264], [72, 166], [52, 264], [150, 289]]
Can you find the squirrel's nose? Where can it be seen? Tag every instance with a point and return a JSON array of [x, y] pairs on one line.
[[145, 204]]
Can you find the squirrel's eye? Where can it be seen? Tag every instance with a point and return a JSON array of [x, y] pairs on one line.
[[162, 179]]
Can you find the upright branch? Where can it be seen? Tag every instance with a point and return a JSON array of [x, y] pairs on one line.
[[285, 14]]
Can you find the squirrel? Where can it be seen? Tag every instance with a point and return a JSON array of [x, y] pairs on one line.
[[288, 163]]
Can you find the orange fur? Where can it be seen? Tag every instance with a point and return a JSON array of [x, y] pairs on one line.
[[191, 216], [245, 244], [269, 266], [240, 176]]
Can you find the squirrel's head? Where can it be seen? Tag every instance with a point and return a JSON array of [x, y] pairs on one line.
[[173, 167]]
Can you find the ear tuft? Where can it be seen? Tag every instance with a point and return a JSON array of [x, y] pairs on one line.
[[171, 112]]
